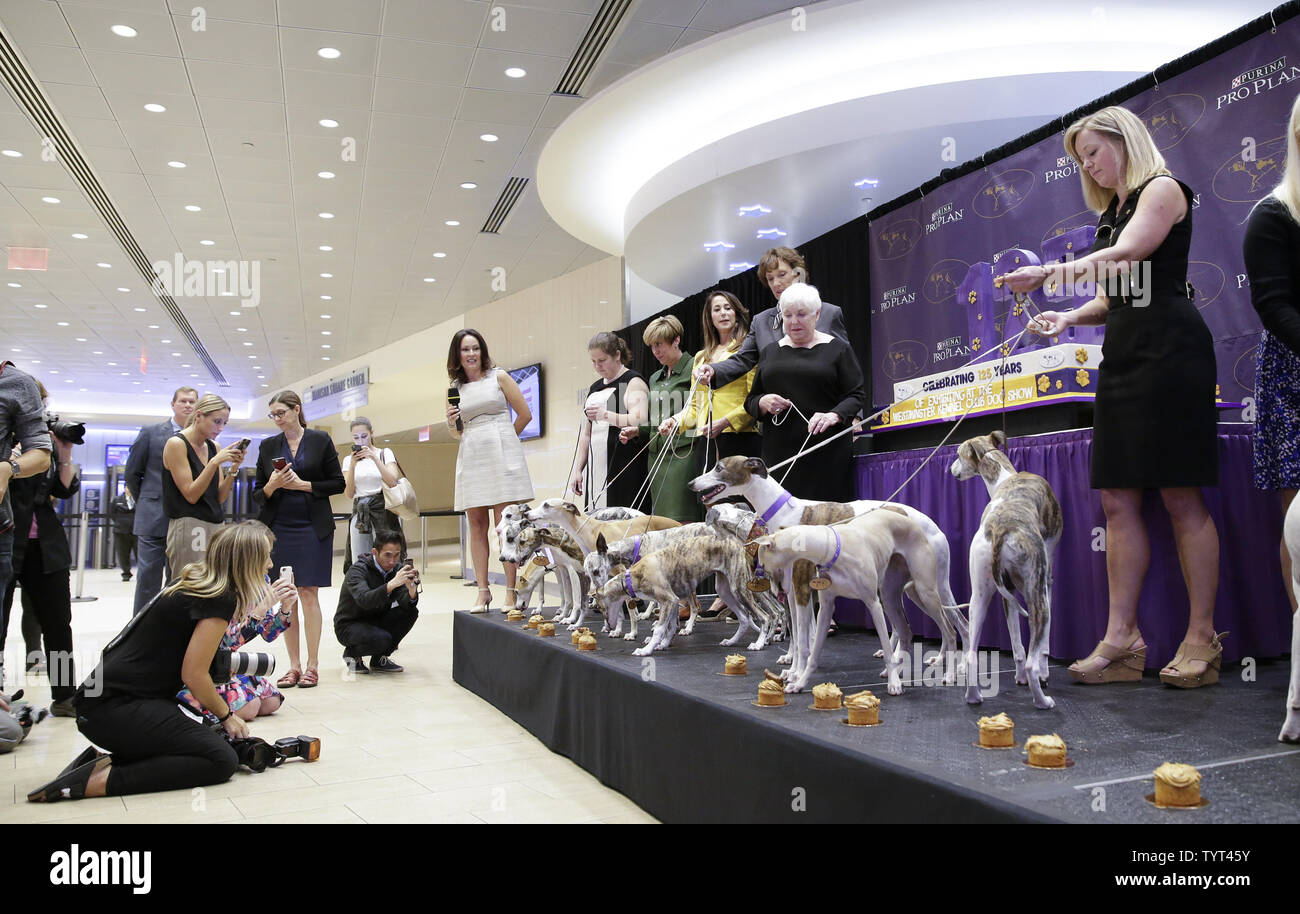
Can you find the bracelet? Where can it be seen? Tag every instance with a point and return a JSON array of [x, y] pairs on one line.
[[229, 711]]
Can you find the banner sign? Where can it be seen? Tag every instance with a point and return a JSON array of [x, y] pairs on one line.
[[337, 394], [1222, 129]]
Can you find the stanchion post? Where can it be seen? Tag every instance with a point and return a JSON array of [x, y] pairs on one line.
[[82, 545]]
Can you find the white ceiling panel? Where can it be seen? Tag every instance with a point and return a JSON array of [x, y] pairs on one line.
[[243, 10], [404, 96], [422, 61], [489, 71], [91, 24], [450, 21], [519, 28], [35, 23], [95, 131], [361, 16], [140, 72], [305, 88], [498, 107], [298, 51], [55, 64], [229, 41], [225, 80], [128, 105], [78, 101], [226, 114]]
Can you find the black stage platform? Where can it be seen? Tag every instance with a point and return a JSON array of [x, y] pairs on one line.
[[686, 744]]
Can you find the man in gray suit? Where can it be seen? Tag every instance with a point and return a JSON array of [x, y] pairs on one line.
[[144, 469], [778, 269]]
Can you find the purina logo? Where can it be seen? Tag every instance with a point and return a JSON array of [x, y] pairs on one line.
[[1259, 72], [78, 867], [1063, 161]]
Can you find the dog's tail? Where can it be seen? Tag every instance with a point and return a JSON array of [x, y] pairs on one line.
[[1028, 555]]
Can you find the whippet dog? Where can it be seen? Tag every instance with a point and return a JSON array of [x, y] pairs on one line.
[[1013, 550], [584, 530], [562, 554], [777, 509], [675, 570], [738, 522], [852, 558], [1291, 536]]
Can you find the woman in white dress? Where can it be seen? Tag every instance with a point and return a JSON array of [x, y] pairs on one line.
[[365, 473], [490, 468]]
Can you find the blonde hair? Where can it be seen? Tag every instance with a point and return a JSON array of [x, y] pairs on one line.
[[208, 404], [662, 330], [236, 560], [1289, 190], [1142, 159]]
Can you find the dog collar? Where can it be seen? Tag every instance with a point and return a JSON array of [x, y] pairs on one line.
[[636, 549], [627, 582], [839, 544], [776, 507]]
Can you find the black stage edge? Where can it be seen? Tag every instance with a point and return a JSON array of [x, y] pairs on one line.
[[686, 744]]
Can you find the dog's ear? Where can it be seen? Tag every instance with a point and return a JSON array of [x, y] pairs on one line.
[[999, 439], [601, 546], [756, 466]]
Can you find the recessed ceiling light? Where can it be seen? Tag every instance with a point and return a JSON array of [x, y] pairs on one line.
[[468, 185], [155, 108], [40, 306], [185, 364], [81, 339], [488, 137], [166, 341], [516, 72], [252, 356], [98, 352], [328, 122], [112, 364], [124, 31], [259, 377], [325, 174], [264, 385], [176, 164], [207, 241], [63, 323], [12, 153], [327, 333], [124, 373], [15, 350], [50, 200], [218, 269], [54, 371], [246, 343], [327, 298], [325, 317], [240, 329], [82, 389], [326, 215], [324, 358], [176, 354], [192, 208], [123, 289], [193, 376], [79, 236], [135, 382], [325, 345], [141, 309], [429, 279], [325, 247], [327, 276], [452, 222], [15, 285], [104, 266], [35, 361], [234, 314], [439, 253], [328, 53], [155, 326]]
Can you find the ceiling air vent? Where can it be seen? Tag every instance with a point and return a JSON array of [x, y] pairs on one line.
[[604, 27], [28, 95], [514, 189]]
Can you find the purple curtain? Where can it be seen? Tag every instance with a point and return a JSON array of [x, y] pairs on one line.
[[1251, 602]]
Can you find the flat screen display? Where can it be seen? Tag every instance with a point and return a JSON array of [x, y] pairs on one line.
[[115, 454], [529, 379]]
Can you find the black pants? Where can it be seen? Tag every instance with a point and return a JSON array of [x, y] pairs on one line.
[[124, 544], [155, 745], [51, 599], [31, 627], [378, 635], [737, 444]]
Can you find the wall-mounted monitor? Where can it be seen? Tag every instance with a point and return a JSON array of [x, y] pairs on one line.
[[115, 454], [529, 379]]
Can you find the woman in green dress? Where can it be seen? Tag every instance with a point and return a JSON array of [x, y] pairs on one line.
[[669, 389]]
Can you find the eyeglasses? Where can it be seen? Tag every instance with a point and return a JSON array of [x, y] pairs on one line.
[[277, 415]]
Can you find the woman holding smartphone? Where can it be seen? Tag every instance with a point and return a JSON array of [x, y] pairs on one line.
[[297, 472], [194, 486], [128, 704], [365, 473]]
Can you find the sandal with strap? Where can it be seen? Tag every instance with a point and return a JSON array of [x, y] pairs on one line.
[[512, 600], [310, 679], [482, 607], [289, 679], [1210, 654], [1122, 664]]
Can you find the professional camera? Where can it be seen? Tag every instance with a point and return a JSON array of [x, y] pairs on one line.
[[228, 664], [24, 713], [257, 754], [72, 432]]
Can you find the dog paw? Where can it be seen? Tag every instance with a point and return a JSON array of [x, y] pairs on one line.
[[895, 686], [755, 645], [643, 651], [630, 636], [879, 655], [973, 696], [1046, 704], [1291, 729], [784, 658], [688, 630]]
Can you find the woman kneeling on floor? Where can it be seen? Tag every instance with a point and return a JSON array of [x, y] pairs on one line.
[[128, 704]]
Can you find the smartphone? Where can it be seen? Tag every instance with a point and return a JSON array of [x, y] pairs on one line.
[[286, 572], [243, 444], [356, 447], [279, 463]]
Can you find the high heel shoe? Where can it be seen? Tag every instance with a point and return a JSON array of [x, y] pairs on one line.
[[512, 600], [1124, 664], [482, 607], [1211, 654]]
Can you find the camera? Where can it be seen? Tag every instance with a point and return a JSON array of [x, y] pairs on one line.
[[228, 664], [72, 432], [257, 754]]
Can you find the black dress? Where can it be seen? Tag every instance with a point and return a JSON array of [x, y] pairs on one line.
[[1154, 419], [296, 542], [823, 379], [619, 456]]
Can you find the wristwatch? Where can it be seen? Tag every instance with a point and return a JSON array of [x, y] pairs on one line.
[[13, 464]]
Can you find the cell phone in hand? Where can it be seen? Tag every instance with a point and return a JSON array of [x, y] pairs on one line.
[[357, 447], [279, 463], [286, 573], [243, 444]]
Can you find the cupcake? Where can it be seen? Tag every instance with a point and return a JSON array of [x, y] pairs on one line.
[[997, 732], [587, 642], [577, 634], [1046, 751], [827, 696], [864, 708], [514, 615], [1177, 785], [771, 694], [535, 620], [546, 630], [735, 665]]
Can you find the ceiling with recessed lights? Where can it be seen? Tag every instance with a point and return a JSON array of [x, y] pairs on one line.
[[347, 150]]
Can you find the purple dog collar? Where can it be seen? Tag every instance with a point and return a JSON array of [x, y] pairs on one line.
[[627, 582], [839, 544], [776, 507], [636, 548]]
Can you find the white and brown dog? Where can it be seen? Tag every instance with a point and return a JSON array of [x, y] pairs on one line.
[[1013, 550], [562, 555], [1291, 536], [852, 558], [776, 508]]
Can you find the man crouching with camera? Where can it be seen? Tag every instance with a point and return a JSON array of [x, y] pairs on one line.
[[377, 605]]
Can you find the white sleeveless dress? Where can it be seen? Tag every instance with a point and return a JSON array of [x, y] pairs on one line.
[[490, 465]]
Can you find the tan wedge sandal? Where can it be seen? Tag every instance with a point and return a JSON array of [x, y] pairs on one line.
[[1211, 654], [1123, 664]]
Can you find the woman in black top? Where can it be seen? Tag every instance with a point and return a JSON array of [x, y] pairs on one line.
[[620, 397], [297, 472], [128, 704], [193, 484], [1154, 415], [1272, 251], [819, 374]]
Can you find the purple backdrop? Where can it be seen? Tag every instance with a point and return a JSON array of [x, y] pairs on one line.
[[1251, 603], [1204, 121]]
